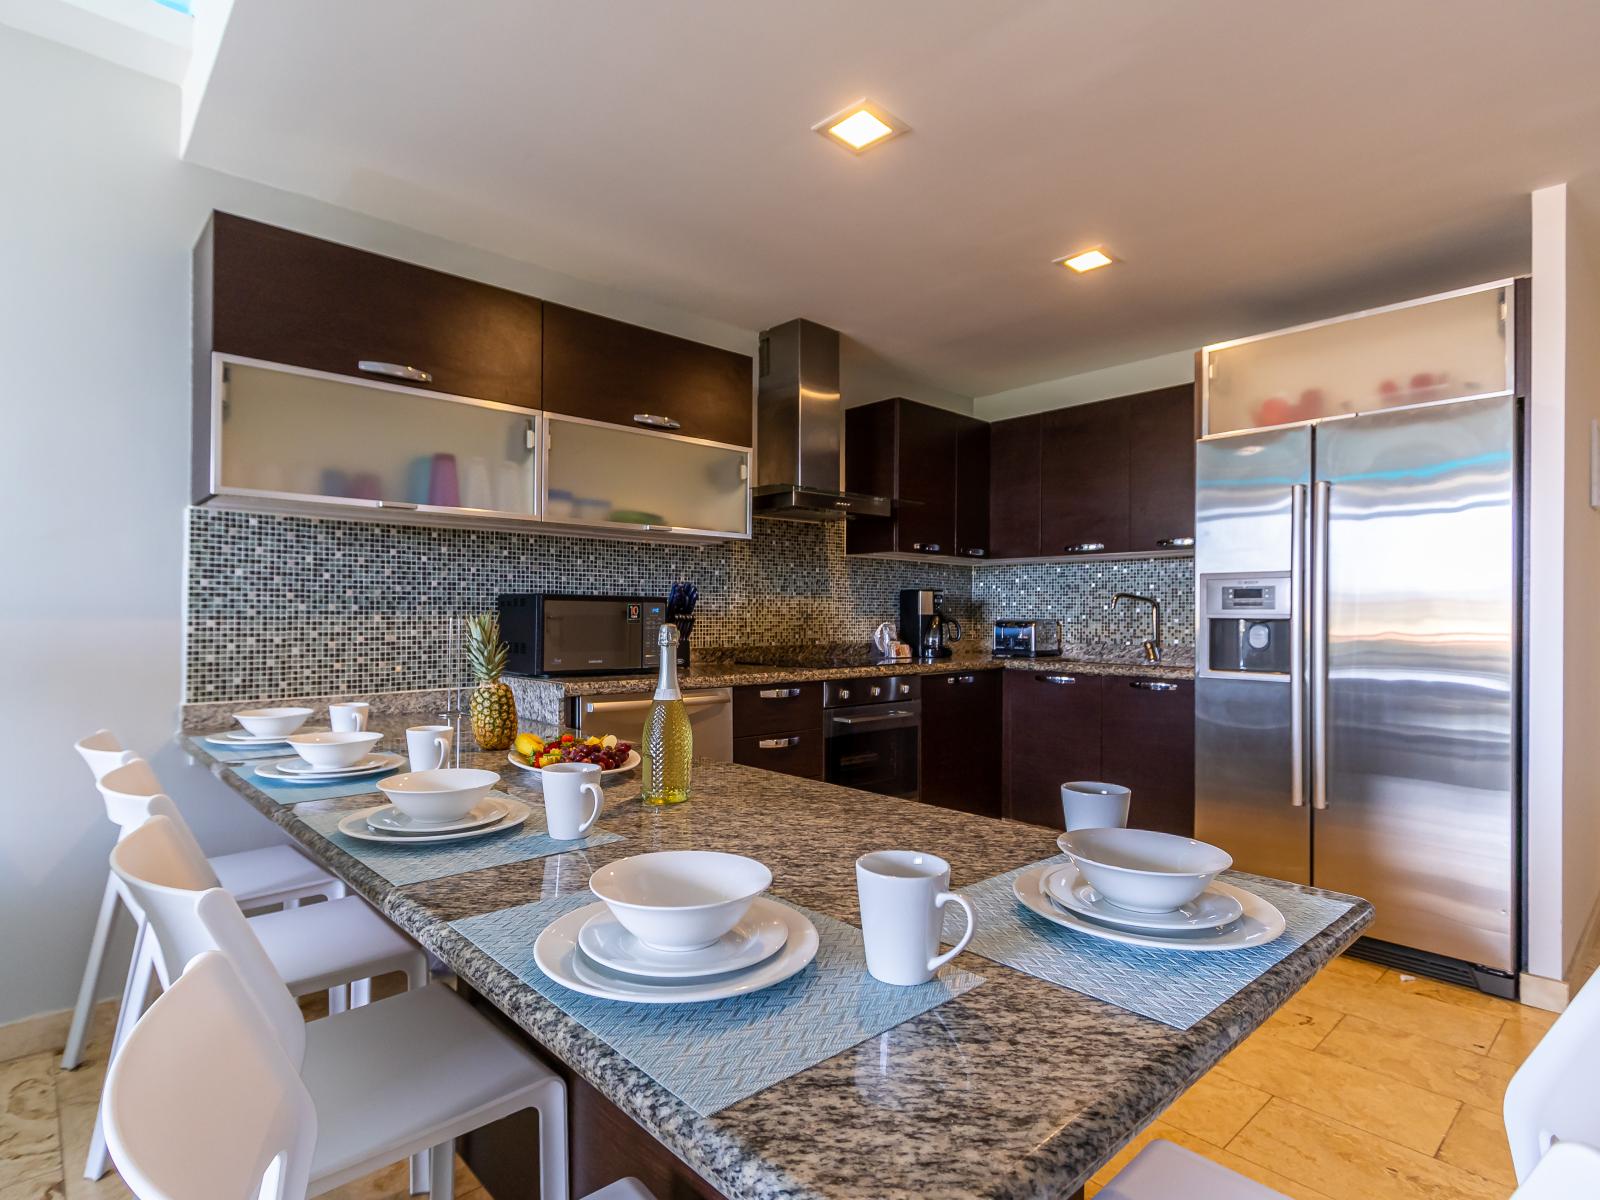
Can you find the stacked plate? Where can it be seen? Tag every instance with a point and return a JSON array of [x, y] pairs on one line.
[[238, 739], [495, 813], [297, 770]]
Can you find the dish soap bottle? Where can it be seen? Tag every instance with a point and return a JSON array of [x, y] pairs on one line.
[[668, 740]]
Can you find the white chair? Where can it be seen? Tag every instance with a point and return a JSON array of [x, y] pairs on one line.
[[222, 1084], [320, 946], [1555, 1094], [1164, 1170], [257, 878], [1568, 1170]]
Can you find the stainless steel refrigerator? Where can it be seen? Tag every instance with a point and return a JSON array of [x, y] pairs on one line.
[[1357, 711]]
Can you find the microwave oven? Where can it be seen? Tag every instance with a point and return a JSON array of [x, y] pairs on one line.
[[581, 635]]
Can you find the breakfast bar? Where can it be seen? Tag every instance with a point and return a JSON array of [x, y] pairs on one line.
[[1010, 1087]]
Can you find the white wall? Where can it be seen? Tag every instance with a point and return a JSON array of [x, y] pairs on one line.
[[1123, 380], [865, 378], [98, 218]]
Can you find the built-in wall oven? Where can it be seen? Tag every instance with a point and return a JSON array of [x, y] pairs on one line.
[[871, 732]]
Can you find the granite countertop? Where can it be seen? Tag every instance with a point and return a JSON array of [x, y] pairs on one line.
[[1015, 1089]]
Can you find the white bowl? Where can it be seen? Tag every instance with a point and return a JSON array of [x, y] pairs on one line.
[[271, 722], [1143, 870], [680, 899], [447, 794], [333, 749]]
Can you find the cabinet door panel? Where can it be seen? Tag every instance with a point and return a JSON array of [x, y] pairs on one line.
[[611, 371], [961, 741], [1161, 467], [972, 490], [1014, 488], [776, 708], [1084, 468], [1148, 734], [786, 753], [925, 476], [1052, 736]]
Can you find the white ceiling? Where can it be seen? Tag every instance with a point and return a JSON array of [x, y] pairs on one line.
[[1253, 162]]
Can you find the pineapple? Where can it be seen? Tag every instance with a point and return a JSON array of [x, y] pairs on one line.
[[494, 708]]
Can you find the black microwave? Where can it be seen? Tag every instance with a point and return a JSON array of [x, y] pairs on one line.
[[581, 635]]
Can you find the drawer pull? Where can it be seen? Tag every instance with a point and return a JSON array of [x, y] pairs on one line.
[[927, 547], [397, 504], [969, 679], [779, 693], [1174, 543], [1084, 548], [395, 370], [975, 553], [1150, 685], [782, 743], [1056, 678], [655, 421]]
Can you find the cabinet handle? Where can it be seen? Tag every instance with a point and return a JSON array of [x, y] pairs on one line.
[[969, 679], [1083, 548], [529, 438], [397, 370], [927, 547], [1056, 678], [397, 504], [975, 553], [779, 693], [1174, 543], [655, 421], [782, 743], [1149, 685]]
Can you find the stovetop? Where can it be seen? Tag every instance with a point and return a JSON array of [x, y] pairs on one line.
[[820, 658]]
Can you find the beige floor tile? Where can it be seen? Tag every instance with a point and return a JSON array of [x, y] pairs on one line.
[[1250, 1170], [1352, 1095], [1346, 1162], [1398, 1010], [1449, 993], [1477, 1143], [393, 1183], [1464, 1075], [30, 1146], [1304, 1022], [1355, 968], [1515, 1042], [37, 1189], [1216, 1108]]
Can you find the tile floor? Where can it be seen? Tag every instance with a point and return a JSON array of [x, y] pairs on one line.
[[1367, 1084]]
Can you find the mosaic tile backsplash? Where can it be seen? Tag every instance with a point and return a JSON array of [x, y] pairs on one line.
[[305, 606]]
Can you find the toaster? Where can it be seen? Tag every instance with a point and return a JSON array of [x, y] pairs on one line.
[[1027, 639]]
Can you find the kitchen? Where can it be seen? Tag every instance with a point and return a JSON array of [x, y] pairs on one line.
[[914, 619]]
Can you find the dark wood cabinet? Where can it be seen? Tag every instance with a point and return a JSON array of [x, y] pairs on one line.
[[1084, 502], [972, 490], [1014, 488], [1147, 737], [776, 708], [1161, 469], [269, 293], [798, 753], [622, 374], [1052, 736], [911, 452], [961, 741]]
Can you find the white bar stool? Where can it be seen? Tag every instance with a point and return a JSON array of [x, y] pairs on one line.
[[1555, 1095], [1567, 1171], [258, 878]]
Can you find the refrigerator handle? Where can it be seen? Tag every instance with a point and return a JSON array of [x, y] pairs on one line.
[[1321, 502], [1297, 644]]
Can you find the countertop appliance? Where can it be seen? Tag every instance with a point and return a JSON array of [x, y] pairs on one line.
[[1027, 639], [924, 625], [1357, 695], [800, 429], [871, 734], [580, 635], [710, 714]]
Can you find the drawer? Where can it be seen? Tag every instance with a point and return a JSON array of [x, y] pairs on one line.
[[776, 708], [786, 753]]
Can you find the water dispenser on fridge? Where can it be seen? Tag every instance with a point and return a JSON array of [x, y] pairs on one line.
[[1246, 621]]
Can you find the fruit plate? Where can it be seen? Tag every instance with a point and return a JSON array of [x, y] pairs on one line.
[[632, 761]]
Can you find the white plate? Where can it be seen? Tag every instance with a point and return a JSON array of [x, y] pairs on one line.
[[355, 825], [1220, 904], [274, 770], [760, 934], [516, 760], [238, 737], [1260, 923], [364, 764], [557, 954], [390, 819]]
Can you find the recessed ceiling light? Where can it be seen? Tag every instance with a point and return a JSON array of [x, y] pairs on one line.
[[1088, 260], [861, 126]]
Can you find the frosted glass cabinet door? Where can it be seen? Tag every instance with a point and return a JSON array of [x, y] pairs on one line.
[[289, 433], [1442, 349], [605, 474]]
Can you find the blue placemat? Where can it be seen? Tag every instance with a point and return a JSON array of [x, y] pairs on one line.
[[1175, 987], [298, 793], [416, 864], [717, 1052], [237, 754]]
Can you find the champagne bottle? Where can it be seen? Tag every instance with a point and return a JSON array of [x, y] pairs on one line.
[[668, 739]]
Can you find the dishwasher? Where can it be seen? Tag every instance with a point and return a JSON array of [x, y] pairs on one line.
[[710, 714]]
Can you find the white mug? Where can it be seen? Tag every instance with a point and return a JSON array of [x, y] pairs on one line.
[[903, 894], [565, 786], [349, 718], [1087, 805], [428, 746]]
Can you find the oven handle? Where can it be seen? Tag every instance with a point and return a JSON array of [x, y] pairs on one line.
[[898, 714]]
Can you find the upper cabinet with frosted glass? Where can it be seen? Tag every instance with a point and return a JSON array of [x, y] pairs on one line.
[[1447, 347]]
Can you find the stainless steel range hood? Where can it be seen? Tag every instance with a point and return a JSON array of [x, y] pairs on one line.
[[800, 427]]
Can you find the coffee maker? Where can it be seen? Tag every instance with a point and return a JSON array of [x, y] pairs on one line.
[[924, 626]]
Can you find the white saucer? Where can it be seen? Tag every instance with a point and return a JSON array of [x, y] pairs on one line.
[[238, 737], [1260, 924], [757, 937], [390, 819], [628, 764], [274, 770], [367, 762], [557, 955], [1220, 904], [355, 825]]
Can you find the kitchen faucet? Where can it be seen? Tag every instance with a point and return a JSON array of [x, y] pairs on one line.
[[1152, 645]]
